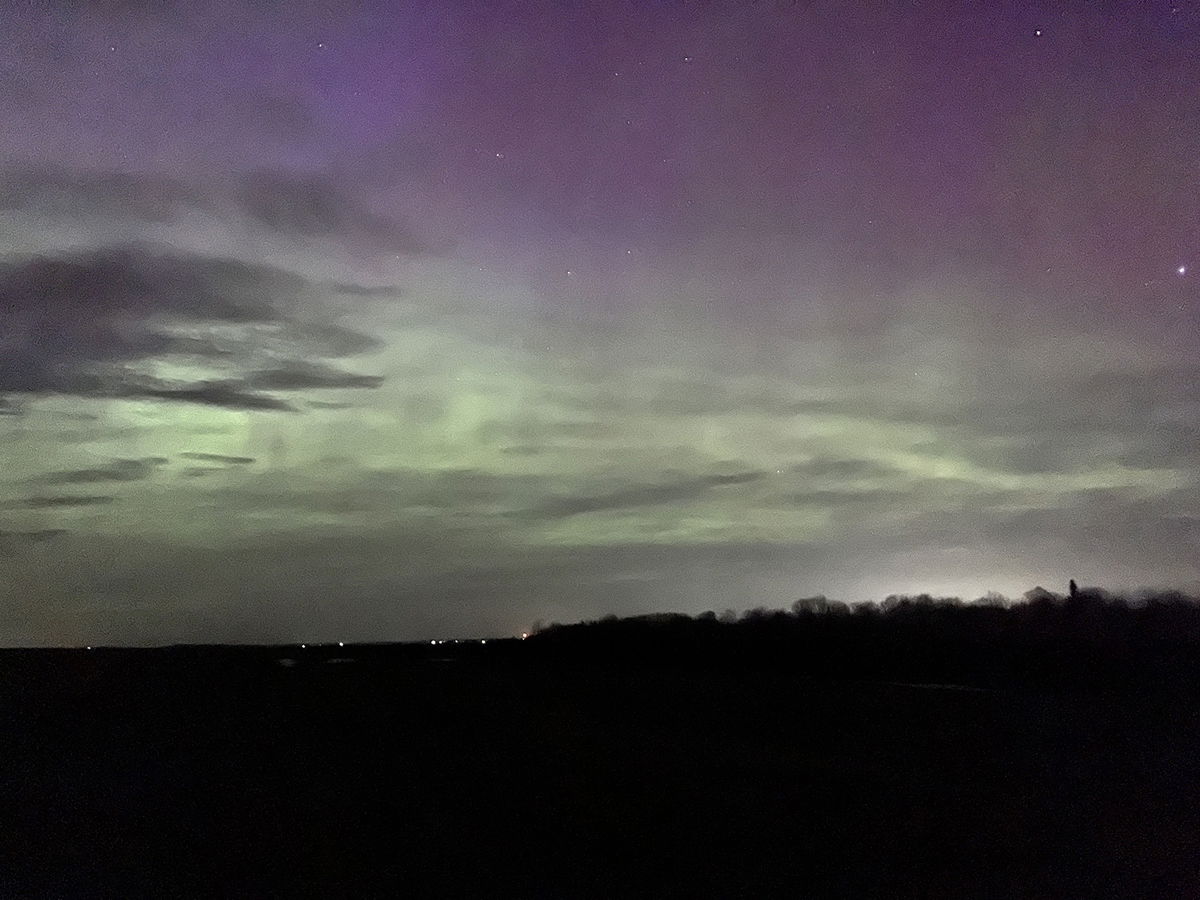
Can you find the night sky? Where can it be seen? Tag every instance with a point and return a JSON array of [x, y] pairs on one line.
[[335, 321]]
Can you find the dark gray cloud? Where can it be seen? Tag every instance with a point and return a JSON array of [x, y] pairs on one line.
[[224, 394], [56, 192], [61, 316], [314, 207], [218, 458], [293, 205], [120, 383], [117, 470], [838, 468], [843, 498], [332, 340], [10, 541], [639, 496], [328, 404], [300, 375], [142, 279], [35, 537], [467, 493], [52, 502], [80, 322]]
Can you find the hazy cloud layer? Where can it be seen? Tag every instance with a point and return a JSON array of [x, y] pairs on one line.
[[399, 324]]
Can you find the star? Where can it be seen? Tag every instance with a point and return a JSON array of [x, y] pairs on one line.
[[1182, 270]]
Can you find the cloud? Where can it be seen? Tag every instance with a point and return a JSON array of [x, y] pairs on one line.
[[215, 393], [86, 323], [43, 534], [293, 205], [106, 304], [218, 458], [332, 340], [638, 496], [328, 404], [837, 468], [11, 540], [55, 192], [842, 498], [117, 470], [298, 375], [51, 502], [314, 207]]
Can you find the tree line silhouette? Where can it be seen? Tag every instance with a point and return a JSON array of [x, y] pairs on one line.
[[1087, 639]]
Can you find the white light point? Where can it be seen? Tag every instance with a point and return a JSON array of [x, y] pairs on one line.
[[1182, 270]]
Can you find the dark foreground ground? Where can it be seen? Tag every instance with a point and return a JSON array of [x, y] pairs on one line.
[[480, 772]]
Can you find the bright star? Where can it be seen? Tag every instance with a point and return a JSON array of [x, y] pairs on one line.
[[1182, 270]]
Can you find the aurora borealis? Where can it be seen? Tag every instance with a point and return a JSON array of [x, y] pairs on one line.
[[375, 321]]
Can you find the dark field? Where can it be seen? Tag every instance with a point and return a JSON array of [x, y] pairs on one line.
[[488, 771]]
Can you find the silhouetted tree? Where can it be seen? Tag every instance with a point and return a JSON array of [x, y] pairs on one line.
[[1089, 640], [818, 605]]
